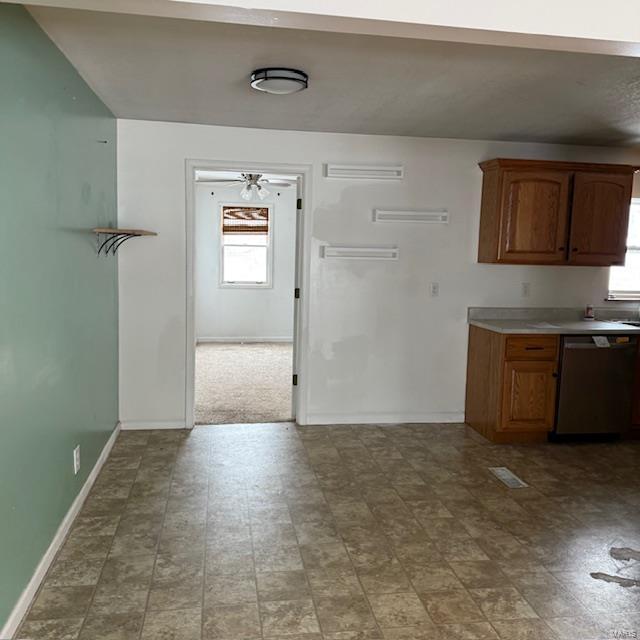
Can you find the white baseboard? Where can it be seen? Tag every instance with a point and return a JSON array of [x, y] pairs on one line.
[[144, 425], [385, 418], [246, 339], [24, 602]]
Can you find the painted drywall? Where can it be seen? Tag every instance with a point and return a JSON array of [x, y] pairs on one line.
[[575, 25], [378, 347], [58, 324], [152, 69], [243, 313]]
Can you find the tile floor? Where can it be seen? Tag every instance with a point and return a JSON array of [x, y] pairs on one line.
[[346, 533]]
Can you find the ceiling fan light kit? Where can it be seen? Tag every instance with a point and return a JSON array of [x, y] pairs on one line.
[[247, 192], [279, 80], [253, 184]]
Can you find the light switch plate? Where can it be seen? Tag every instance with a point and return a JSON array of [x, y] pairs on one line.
[[76, 460]]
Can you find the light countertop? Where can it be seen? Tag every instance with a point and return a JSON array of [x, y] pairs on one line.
[[555, 327]]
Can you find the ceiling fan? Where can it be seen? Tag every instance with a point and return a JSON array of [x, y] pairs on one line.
[[252, 184]]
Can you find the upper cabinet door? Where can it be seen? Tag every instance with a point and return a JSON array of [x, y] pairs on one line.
[[534, 217], [599, 220]]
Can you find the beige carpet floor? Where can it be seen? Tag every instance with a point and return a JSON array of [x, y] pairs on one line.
[[242, 383]]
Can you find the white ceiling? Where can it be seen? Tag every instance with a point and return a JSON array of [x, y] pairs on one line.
[[188, 71]]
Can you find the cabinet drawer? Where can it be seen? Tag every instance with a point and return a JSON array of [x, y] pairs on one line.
[[532, 348]]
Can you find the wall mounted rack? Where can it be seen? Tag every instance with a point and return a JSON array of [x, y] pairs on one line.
[[110, 240], [396, 215], [364, 171], [361, 253]]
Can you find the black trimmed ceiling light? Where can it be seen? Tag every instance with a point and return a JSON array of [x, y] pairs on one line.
[[279, 80]]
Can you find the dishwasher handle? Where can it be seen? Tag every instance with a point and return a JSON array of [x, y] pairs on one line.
[[569, 344]]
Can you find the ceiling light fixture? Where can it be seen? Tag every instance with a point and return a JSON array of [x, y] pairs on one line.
[[279, 80], [248, 191]]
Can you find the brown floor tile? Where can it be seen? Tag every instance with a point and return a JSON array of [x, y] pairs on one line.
[[227, 506], [224, 561], [226, 622], [502, 604], [419, 552], [185, 566], [285, 617], [71, 571], [423, 632], [278, 558], [583, 628], [344, 613], [61, 602], [280, 534], [134, 544], [461, 551], [524, 630], [80, 546], [367, 554], [367, 634], [179, 594], [479, 574], [334, 582], [96, 525], [388, 577], [398, 609], [230, 589], [172, 625], [321, 532], [283, 585], [140, 524], [97, 506], [64, 629], [617, 625], [112, 627], [454, 606], [330, 556], [433, 577], [129, 572], [122, 602], [472, 631], [176, 543]]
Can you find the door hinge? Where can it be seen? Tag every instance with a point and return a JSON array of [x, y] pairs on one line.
[[295, 380], [296, 293], [299, 204]]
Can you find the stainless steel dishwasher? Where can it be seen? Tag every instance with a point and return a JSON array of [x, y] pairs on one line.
[[596, 385]]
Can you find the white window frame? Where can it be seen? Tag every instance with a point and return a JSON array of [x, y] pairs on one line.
[[247, 285], [624, 295]]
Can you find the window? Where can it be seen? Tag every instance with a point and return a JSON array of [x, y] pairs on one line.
[[246, 246], [624, 282]]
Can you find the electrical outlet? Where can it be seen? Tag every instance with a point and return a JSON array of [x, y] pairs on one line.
[[76, 460], [526, 289], [434, 289]]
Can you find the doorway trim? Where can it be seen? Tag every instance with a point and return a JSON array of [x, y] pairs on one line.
[[304, 226]]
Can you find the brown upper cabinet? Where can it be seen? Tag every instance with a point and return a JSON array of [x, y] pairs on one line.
[[560, 213]]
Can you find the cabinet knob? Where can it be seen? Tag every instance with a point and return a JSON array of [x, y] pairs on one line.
[[554, 374], [561, 248], [574, 249]]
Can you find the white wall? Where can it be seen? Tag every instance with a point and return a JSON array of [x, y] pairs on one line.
[[378, 347], [243, 313]]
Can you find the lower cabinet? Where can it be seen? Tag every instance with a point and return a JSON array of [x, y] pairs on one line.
[[528, 396], [635, 417], [511, 385]]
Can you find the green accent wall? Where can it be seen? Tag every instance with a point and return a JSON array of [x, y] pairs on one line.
[[58, 300]]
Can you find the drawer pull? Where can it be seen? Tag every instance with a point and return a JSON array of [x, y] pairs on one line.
[[534, 348]]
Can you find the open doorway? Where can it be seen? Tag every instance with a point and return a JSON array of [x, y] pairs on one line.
[[244, 268]]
